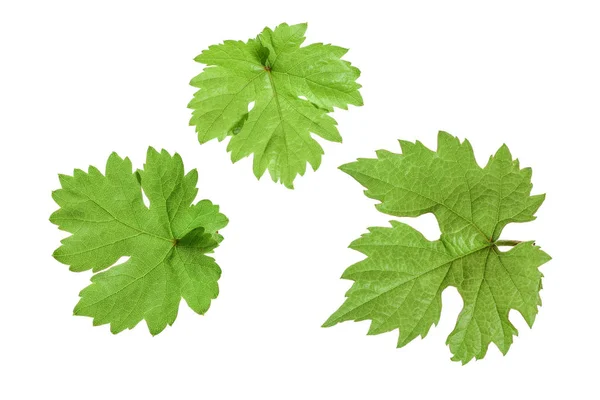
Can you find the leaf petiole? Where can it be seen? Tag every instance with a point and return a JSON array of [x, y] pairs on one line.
[[507, 242]]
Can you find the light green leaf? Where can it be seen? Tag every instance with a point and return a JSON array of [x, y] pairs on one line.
[[293, 89], [166, 242], [399, 284]]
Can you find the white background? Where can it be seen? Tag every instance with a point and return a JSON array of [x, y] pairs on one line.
[[79, 80]]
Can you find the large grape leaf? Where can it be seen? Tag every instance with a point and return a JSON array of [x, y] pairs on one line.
[[293, 88], [166, 242], [400, 283]]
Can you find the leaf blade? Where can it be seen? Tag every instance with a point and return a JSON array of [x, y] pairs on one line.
[[472, 205], [293, 88], [107, 219]]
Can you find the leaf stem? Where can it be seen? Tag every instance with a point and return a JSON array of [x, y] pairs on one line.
[[507, 242]]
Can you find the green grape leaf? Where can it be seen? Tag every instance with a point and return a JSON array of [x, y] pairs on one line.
[[400, 283], [293, 89], [167, 243]]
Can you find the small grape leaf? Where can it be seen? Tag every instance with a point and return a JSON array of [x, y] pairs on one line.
[[400, 283], [293, 89], [166, 242]]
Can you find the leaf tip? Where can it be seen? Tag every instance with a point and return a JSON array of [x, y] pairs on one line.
[[503, 153], [151, 153], [348, 168], [331, 321]]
